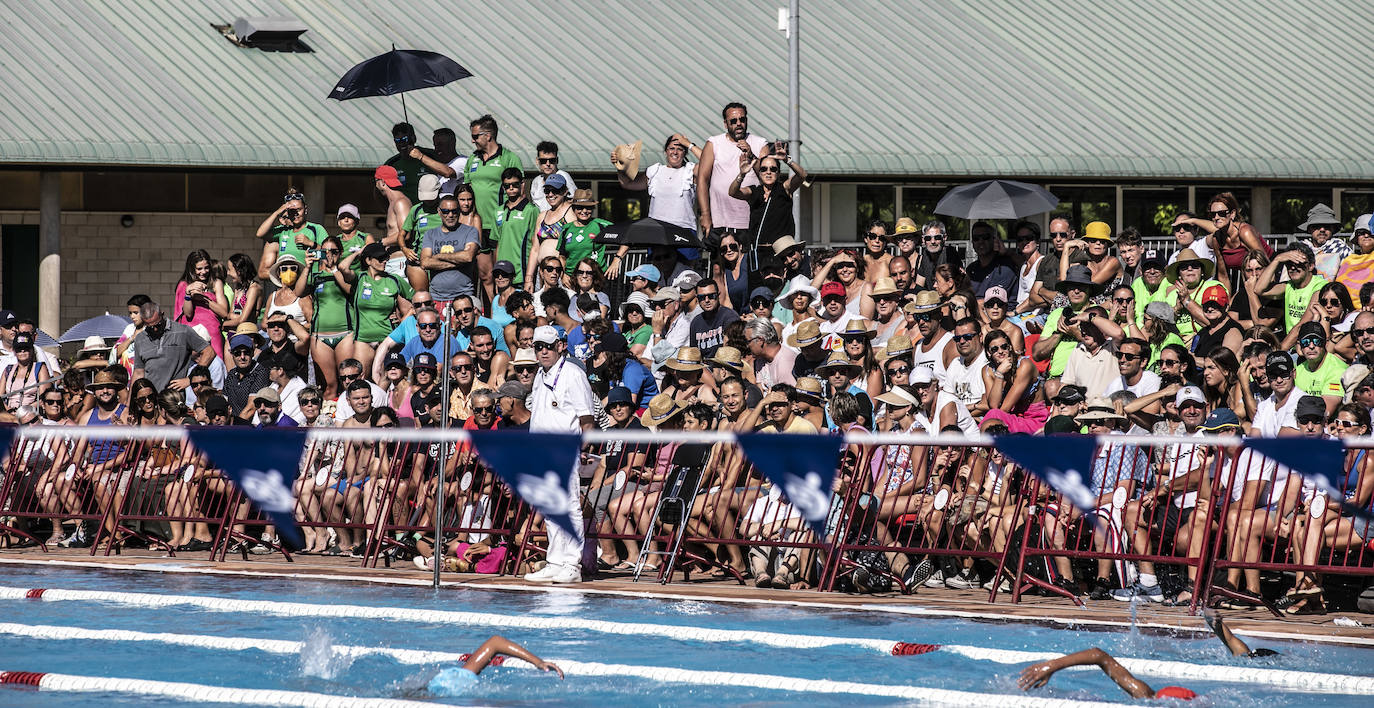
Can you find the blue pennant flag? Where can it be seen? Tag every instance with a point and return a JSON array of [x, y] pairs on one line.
[[263, 463], [7, 433], [803, 468], [1065, 462], [1320, 461], [541, 469]]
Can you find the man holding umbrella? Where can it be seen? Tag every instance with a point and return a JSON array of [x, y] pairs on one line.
[[411, 161]]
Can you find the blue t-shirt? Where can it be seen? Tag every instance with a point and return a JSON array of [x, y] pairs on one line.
[[452, 681], [417, 345], [407, 331], [639, 380], [497, 334]]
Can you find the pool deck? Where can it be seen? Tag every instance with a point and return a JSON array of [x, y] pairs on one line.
[[967, 604]]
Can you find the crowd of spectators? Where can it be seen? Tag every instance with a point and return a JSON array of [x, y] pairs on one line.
[[499, 276]]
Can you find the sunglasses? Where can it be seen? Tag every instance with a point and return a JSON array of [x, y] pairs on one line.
[[582, 207], [549, 269], [1128, 356], [708, 296], [1220, 212], [1122, 300], [460, 367], [502, 274], [308, 401], [768, 169], [548, 160], [586, 272], [760, 304], [844, 265], [933, 237], [264, 403], [462, 311], [1185, 227], [1342, 423], [875, 236], [1311, 420], [1331, 301], [52, 401], [996, 349], [898, 370], [448, 211], [242, 351], [510, 185], [1312, 341], [964, 337], [525, 369], [1362, 331], [554, 190], [427, 325], [350, 377], [730, 247], [543, 346], [659, 305], [922, 317], [484, 409]]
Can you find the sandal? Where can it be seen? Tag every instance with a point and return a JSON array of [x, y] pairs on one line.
[[603, 566], [623, 567], [763, 581], [1311, 605]]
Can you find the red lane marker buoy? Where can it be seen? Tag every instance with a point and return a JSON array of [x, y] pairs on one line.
[[21, 678], [909, 649], [35, 593]]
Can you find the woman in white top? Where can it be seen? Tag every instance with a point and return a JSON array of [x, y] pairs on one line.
[[1027, 237], [285, 272], [671, 184]]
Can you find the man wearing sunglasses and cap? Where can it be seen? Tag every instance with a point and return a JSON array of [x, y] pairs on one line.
[[1276, 414], [1319, 373]]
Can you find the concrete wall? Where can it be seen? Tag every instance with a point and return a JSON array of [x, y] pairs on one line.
[[104, 263]]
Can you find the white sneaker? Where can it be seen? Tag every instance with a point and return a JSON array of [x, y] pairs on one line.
[[936, 581], [963, 581], [567, 574], [543, 575]]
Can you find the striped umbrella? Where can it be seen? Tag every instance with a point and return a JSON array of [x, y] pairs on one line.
[[107, 326]]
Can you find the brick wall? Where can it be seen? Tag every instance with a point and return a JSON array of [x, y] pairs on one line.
[[104, 263]]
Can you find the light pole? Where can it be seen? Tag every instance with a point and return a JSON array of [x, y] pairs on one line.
[[794, 98]]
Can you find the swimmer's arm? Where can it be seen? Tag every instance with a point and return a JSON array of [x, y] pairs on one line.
[[1037, 675], [501, 645]]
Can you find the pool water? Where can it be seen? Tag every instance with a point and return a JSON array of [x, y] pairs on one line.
[[318, 670]]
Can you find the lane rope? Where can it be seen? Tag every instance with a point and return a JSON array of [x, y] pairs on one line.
[[570, 667], [196, 692], [1300, 680]]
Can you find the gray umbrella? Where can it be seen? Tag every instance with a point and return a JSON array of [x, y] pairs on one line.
[[996, 199], [107, 326]]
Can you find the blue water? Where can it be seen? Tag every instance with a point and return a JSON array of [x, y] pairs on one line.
[[319, 672]]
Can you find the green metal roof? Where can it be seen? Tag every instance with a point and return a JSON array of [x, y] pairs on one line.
[[1033, 88]]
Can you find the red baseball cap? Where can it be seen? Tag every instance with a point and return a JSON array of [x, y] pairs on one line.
[[1217, 294], [833, 288], [388, 175]]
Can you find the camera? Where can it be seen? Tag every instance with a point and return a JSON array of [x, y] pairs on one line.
[[293, 213], [317, 253]]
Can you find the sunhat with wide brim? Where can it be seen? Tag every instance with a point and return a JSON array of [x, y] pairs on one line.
[[898, 345], [1080, 276], [838, 360], [686, 359], [283, 260], [660, 410], [926, 301], [858, 326], [729, 357], [1185, 257], [808, 333]]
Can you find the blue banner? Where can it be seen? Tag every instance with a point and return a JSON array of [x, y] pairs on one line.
[[261, 462], [1065, 462], [540, 469], [1320, 461], [803, 468]]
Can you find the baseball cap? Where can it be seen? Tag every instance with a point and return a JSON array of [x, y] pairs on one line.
[[267, 393], [1278, 363], [762, 292], [1070, 393], [668, 294], [424, 360], [545, 334], [1152, 259], [513, 389], [388, 175], [23, 340], [7, 318], [429, 187], [1161, 311], [995, 292], [1218, 419], [241, 340], [504, 267], [612, 342], [556, 181], [350, 210], [394, 359], [833, 288], [1217, 294], [686, 280], [1061, 424], [646, 271], [1189, 393], [374, 250], [619, 394], [922, 375], [217, 404], [1310, 406], [1311, 329]]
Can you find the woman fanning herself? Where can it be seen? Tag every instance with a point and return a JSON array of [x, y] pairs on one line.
[[333, 315], [374, 294], [200, 300]]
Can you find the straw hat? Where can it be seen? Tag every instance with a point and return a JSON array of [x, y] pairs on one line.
[[1100, 408], [729, 357], [686, 359], [925, 301], [1098, 231], [1188, 256], [626, 157], [783, 245], [808, 333], [809, 386], [583, 197], [103, 379], [858, 325], [660, 410], [838, 360], [905, 225], [283, 260], [898, 345], [884, 286], [523, 357]]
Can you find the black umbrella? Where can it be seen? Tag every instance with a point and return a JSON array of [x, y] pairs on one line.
[[398, 71], [648, 232], [996, 199]]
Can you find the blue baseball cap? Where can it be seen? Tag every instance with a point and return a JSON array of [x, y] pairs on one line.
[[647, 271], [1219, 419], [619, 394], [556, 181], [242, 340]]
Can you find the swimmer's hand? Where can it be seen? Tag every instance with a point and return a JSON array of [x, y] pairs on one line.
[[1035, 676], [549, 666]]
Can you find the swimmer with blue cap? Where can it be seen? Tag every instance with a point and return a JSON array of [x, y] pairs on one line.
[[456, 681]]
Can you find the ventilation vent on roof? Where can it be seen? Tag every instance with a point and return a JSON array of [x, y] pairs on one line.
[[270, 34]]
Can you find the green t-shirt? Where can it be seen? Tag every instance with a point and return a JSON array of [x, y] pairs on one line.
[[353, 245], [576, 244], [511, 229], [373, 300], [1325, 381], [1155, 350], [1187, 328], [641, 335], [1295, 301], [1143, 296], [417, 222], [409, 170], [286, 239], [1060, 358], [485, 178], [333, 312]]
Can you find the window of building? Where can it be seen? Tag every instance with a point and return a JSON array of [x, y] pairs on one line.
[[1353, 204], [1081, 205], [1288, 206], [872, 201], [617, 204], [1152, 209]]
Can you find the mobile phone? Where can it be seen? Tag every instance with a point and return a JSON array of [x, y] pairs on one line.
[[317, 253]]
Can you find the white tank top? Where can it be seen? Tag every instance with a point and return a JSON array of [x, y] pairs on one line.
[[934, 359], [966, 382], [1027, 280], [293, 311]]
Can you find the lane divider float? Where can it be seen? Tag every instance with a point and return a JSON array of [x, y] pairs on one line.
[[196, 692], [1300, 680]]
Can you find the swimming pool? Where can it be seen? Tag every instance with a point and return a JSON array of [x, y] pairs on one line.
[[316, 667]]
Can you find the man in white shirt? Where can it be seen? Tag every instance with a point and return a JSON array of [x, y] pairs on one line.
[[1275, 415], [546, 158], [939, 409], [351, 370], [964, 375], [1130, 362], [561, 402]]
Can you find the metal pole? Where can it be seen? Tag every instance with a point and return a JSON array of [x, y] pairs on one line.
[[794, 100], [447, 334]]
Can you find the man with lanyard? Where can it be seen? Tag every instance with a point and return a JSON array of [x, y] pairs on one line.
[[577, 242], [513, 223], [561, 402], [486, 169], [286, 231]]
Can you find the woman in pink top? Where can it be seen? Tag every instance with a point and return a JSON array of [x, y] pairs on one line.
[[200, 299]]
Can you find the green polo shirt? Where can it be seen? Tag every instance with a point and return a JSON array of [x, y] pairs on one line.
[[1325, 380], [373, 301], [511, 229], [1060, 358], [485, 178], [286, 239], [576, 243], [354, 245], [1143, 296], [409, 170], [416, 223]]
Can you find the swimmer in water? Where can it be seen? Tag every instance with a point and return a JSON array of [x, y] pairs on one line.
[[1039, 674], [454, 681]]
